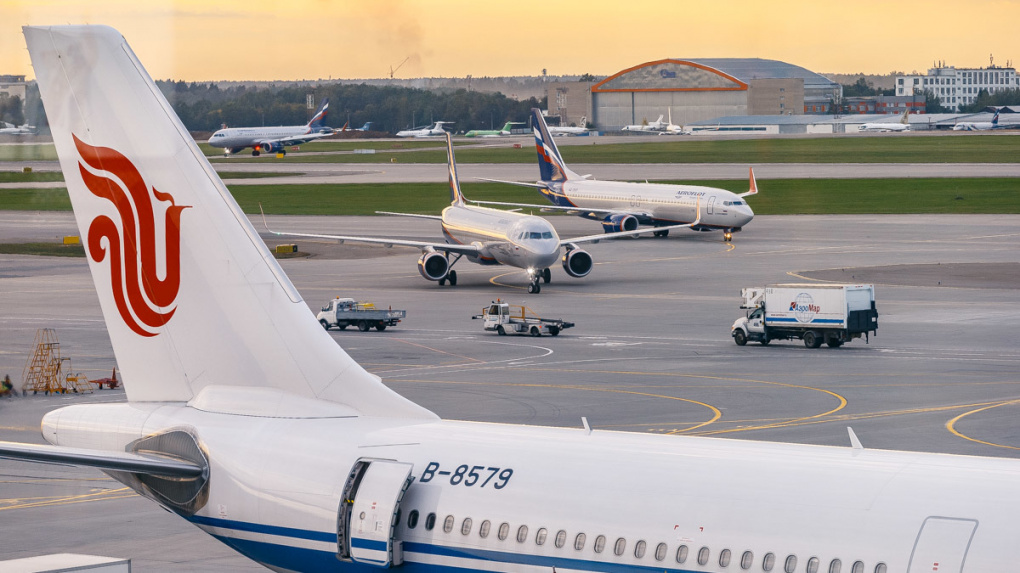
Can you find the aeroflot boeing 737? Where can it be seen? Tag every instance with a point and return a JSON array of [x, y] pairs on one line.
[[257, 428], [623, 206], [489, 237]]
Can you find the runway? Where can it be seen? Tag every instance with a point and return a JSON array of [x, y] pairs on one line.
[[651, 351], [333, 173]]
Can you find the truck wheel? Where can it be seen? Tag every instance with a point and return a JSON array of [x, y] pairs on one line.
[[554, 331], [452, 277], [363, 326], [535, 331], [739, 337], [812, 339], [765, 341], [380, 327], [325, 325], [500, 331], [834, 342], [342, 326]]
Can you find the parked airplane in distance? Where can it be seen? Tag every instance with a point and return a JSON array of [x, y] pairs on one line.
[[902, 125], [257, 427], [434, 131], [579, 129], [623, 206], [366, 127], [489, 237], [657, 125], [979, 125], [11, 129], [272, 139], [505, 130], [672, 128]]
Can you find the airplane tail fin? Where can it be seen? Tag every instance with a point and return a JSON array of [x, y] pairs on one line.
[[550, 163], [320, 114], [995, 118], [905, 120], [367, 126], [456, 195], [754, 185], [192, 298]]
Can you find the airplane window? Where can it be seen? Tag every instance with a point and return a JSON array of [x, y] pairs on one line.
[[561, 538], [483, 529], [546, 235], [791, 564], [412, 519], [522, 534], [620, 547], [857, 568], [540, 536], [448, 524], [600, 544], [504, 530], [430, 521], [724, 558], [639, 549], [579, 541], [812, 565], [747, 559], [768, 562], [681, 554], [703, 554], [881, 568], [660, 551], [465, 528], [835, 566]]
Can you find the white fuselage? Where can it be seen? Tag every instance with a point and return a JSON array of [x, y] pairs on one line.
[[662, 203], [507, 238], [883, 127], [434, 131], [974, 126], [232, 137], [275, 487]]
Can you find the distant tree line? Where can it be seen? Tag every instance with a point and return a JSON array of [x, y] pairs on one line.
[[862, 88], [206, 107], [997, 99], [11, 110]]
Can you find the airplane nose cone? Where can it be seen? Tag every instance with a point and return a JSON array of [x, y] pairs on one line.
[[745, 215]]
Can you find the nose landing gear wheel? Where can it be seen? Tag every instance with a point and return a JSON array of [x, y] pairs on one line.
[[727, 236], [534, 288]]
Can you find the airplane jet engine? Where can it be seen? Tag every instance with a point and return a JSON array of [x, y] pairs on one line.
[[270, 147], [577, 263], [433, 266], [619, 222]]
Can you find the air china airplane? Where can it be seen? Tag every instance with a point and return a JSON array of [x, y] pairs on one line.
[[979, 125], [272, 139], [260, 430], [623, 206], [434, 131], [489, 237]]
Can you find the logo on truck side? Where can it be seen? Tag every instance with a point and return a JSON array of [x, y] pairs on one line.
[[144, 300], [804, 307]]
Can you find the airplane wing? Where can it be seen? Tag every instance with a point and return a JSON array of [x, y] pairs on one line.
[[115, 461], [568, 210], [424, 245], [617, 235], [299, 139]]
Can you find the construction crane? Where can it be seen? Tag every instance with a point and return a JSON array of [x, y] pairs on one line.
[[394, 70]]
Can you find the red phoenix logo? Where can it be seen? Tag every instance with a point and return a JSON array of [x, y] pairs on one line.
[[141, 296]]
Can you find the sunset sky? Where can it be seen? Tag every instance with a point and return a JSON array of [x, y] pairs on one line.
[[309, 39]]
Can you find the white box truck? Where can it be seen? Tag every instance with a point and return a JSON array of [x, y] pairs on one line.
[[815, 313]]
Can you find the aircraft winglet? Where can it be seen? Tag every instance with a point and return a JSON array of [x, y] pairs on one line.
[[754, 185]]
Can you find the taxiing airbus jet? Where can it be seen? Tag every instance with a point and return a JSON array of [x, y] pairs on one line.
[[490, 237], [259, 429], [272, 139], [979, 125], [435, 130], [623, 206]]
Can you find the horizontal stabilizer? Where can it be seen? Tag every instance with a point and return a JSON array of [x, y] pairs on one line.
[[113, 461], [517, 183]]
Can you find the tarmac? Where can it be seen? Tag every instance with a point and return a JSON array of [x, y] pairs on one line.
[[651, 351]]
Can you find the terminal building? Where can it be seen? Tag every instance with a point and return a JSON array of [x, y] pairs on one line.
[[955, 87], [693, 90]]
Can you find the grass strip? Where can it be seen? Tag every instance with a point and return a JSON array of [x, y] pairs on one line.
[[42, 249]]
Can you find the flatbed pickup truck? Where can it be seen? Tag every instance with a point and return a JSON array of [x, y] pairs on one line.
[[344, 312]]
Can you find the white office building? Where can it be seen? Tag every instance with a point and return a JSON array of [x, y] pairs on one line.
[[958, 86]]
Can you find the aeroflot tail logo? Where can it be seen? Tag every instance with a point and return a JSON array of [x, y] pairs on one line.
[[144, 300]]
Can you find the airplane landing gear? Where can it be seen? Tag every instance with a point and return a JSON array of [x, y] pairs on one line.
[[660, 233], [546, 276], [255, 153], [727, 236], [535, 286]]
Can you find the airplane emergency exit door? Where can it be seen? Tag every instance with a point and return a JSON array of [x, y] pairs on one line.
[[369, 511], [942, 545]]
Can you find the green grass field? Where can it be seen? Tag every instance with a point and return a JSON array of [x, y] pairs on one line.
[[777, 197], [47, 176], [42, 249]]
